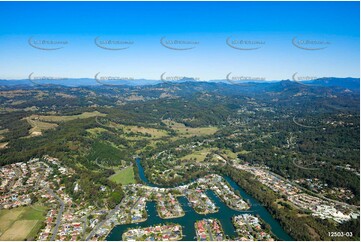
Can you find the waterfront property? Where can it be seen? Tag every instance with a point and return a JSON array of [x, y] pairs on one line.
[[250, 227], [154, 233], [209, 230], [168, 206], [223, 215], [200, 201]]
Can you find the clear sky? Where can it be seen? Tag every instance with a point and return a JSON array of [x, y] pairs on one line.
[[333, 26]]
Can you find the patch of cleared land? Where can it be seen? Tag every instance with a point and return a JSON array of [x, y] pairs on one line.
[[3, 145], [64, 95], [3, 131], [55, 118], [38, 126], [96, 131], [19, 230], [40, 123], [155, 133], [244, 152], [182, 130], [124, 176], [21, 223], [198, 155], [17, 93], [229, 154], [135, 98]]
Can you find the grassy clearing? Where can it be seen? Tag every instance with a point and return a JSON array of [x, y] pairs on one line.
[[64, 95], [40, 123], [230, 154], [7, 218], [21, 223], [243, 152], [39, 126], [124, 176], [155, 133], [96, 131], [3, 145], [19, 230], [35, 212], [54, 118], [182, 130], [199, 155]]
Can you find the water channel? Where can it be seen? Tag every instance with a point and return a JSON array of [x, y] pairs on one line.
[[224, 215]]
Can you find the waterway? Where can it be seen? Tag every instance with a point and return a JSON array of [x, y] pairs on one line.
[[224, 214]]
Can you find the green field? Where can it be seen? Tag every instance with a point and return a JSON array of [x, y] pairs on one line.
[[198, 155], [54, 118], [21, 223], [184, 131], [40, 123], [124, 176]]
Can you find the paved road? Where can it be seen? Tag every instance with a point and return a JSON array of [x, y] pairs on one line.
[[61, 210], [84, 220], [100, 224], [209, 231], [110, 214], [249, 226], [302, 125], [136, 202]]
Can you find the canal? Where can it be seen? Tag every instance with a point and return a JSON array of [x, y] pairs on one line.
[[224, 215]]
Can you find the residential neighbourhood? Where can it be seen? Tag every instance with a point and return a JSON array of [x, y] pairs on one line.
[[318, 206], [37, 181], [209, 230], [168, 206], [23, 184], [154, 233], [132, 209], [250, 228]]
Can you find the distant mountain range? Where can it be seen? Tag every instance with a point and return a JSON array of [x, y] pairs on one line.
[[348, 82]]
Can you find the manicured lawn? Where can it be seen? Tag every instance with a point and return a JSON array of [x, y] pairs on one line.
[[124, 176]]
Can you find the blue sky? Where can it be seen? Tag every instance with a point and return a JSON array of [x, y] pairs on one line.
[[333, 25]]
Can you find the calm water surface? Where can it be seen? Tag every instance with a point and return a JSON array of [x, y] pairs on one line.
[[224, 215]]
